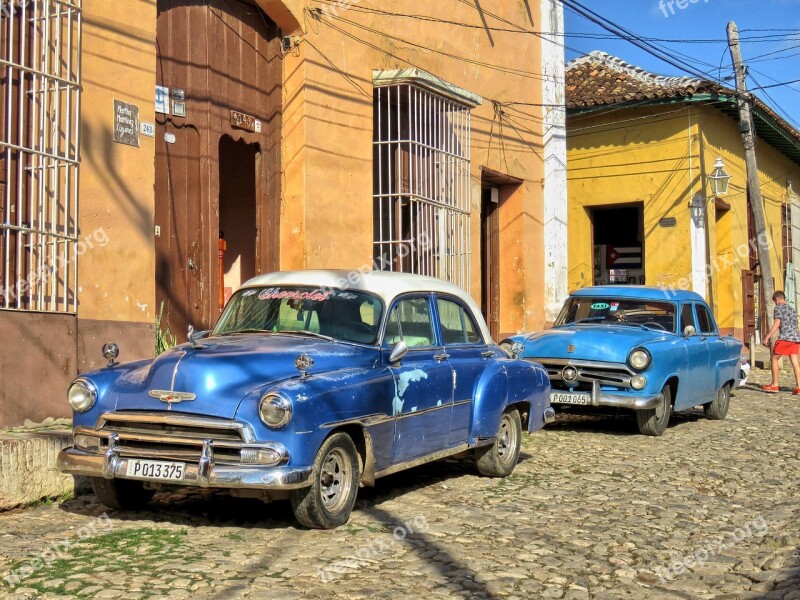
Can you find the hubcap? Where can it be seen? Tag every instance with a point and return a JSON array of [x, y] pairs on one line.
[[506, 439], [724, 398], [661, 410], [334, 480]]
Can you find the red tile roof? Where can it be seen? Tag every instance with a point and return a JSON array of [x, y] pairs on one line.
[[598, 79]]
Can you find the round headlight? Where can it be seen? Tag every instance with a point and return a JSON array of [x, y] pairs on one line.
[[275, 411], [638, 382], [639, 359], [82, 395]]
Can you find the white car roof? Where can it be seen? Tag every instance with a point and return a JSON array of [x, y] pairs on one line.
[[386, 285]]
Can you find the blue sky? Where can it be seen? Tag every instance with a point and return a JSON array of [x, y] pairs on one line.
[[704, 20]]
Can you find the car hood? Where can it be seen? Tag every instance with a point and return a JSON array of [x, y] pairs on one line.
[[224, 370], [605, 343]]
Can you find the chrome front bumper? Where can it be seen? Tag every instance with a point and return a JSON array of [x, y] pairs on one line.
[[632, 401], [205, 474]]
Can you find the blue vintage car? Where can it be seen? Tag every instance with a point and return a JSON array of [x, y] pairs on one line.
[[637, 348], [311, 384]]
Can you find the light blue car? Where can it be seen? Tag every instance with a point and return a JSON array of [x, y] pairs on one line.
[[637, 348]]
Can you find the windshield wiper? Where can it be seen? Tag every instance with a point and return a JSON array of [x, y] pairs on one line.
[[588, 320], [307, 333]]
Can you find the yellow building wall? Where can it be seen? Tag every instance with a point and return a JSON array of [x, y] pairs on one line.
[[662, 157], [116, 285], [327, 212], [648, 156], [730, 242]]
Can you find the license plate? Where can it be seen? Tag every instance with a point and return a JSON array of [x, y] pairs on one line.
[[155, 469], [581, 398]]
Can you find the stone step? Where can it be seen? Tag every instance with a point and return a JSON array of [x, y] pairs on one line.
[[28, 468]]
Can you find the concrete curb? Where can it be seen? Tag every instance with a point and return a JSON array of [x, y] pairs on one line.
[[28, 468]]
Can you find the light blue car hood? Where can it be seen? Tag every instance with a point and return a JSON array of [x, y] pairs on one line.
[[605, 343]]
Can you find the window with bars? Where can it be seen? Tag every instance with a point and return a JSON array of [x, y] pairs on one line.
[[39, 139], [421, 183]]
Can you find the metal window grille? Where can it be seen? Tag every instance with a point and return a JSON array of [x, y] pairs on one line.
[[421, 189], [40, 58]]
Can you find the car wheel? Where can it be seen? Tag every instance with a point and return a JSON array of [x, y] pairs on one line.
[[654, 421], [718, 409], [500, 458], [121, 494], [327, 503]]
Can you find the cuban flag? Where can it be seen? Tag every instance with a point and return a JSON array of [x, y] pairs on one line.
[[629, 257]]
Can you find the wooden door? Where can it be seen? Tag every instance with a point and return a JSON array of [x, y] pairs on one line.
[[219, 62], [490, 261]]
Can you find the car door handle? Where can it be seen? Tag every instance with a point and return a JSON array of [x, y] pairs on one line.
[[441, 357], [487, 354]]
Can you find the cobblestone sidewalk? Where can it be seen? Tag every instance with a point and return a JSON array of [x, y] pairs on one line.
[[594, 510]]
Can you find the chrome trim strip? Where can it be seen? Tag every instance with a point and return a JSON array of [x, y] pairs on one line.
[[421, 460], [366, 421], [423, 411], [175, 370], [461, 402]]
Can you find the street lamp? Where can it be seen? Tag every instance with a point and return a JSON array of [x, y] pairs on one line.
[[720, 178]]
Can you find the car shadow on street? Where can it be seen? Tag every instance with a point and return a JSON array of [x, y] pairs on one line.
[[622, 424], [209, 508]]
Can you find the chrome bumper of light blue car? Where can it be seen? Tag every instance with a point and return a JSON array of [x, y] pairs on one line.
[[632, 400]]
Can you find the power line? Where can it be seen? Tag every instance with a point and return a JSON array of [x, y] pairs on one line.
[[774, 85], [774, 104], [507, 70], [636, 40]]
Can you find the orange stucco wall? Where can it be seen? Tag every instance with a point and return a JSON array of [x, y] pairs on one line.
[[116, 280], [326, 219]]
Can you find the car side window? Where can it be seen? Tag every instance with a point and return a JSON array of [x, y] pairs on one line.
[[410, 321], [687, 317], [705, 320], [458, 326]]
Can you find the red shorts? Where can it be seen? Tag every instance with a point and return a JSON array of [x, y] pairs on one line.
[[784, 348]]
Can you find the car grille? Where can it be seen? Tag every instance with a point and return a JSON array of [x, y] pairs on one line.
[[176, 437], [606, 374]]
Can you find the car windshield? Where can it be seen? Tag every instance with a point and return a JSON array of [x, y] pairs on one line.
[[626, 311], [303, 311]]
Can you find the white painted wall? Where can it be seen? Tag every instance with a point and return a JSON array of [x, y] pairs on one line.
[[555, 159]]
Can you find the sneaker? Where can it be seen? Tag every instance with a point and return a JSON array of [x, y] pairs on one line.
[[796, 392], [771, 389]]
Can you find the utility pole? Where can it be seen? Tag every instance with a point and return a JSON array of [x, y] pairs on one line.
[[745, 102]]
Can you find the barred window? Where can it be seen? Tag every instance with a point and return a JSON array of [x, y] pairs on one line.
[[421, 183], [39, 140]]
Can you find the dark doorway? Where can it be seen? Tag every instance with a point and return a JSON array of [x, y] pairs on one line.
[[238, 166], [618, 234], [490, 258]]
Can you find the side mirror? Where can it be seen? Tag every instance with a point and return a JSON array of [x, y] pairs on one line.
[[398, 352], [689, 331]]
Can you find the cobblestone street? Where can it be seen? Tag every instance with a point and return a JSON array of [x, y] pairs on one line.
[[594, 510]]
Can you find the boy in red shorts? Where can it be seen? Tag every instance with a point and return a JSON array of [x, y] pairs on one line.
[[788, 344]]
